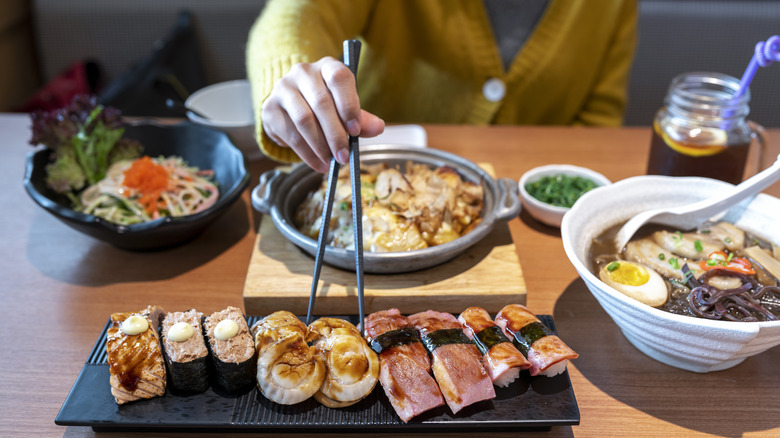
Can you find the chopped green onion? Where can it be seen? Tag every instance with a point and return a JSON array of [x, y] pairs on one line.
[[705, 231], [344, 206], [674, 262], [698, 245], [731, 256], [560, 190], [661, 256], [712, 262], [727, 241], [612, 266]]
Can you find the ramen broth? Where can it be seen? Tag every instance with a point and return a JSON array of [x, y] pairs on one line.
[[602, 253]]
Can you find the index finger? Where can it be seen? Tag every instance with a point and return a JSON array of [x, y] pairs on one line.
[[341, 83]]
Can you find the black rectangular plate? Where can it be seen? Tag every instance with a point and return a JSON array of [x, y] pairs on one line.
[[529, 403]]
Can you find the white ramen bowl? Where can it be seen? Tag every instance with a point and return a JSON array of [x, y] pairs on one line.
[[693, 344]]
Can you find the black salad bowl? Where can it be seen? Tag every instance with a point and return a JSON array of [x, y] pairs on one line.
[[199, 146]]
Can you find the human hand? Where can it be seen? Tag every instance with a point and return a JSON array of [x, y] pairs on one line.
[[314, 109]]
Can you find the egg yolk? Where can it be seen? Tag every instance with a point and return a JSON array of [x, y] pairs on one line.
[[629, 274]]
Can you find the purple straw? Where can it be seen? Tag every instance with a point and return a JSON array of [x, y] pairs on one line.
[[765, 53]]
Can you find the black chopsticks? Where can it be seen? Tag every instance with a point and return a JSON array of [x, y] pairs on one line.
[[350, 57]]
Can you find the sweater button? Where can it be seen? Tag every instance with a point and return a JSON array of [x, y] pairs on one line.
[[494, 89]]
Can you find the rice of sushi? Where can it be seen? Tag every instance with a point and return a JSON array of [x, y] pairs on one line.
[[506, 378], [554, 369]]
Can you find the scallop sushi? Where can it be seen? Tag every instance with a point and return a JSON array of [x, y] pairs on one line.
[[232, 348], [352, 368], [135, 362], [184, 348], [288, 370]]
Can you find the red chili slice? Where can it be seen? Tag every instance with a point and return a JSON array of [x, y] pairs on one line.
[[721, 261]]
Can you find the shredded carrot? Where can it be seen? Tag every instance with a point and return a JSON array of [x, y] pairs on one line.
[[149, 179]]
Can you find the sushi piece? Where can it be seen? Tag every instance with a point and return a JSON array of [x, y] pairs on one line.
[[547, 353], [501, 359], [352, 367], [232, 349], [185, 352], [135, 362], [404, 364], [457, 364], [288, 370]]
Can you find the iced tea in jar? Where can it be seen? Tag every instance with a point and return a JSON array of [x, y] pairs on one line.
[[703, 130]]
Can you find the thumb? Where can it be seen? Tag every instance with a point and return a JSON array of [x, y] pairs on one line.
[[370, 124]]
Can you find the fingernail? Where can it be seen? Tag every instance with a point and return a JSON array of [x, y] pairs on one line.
[[343, 156], [353, 128]]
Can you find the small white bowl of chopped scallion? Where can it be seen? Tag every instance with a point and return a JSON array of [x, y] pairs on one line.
[[548, 192]]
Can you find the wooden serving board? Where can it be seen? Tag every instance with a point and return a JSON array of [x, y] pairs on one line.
[[488, 275]]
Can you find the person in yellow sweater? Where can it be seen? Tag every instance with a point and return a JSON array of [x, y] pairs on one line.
[[562, 62]]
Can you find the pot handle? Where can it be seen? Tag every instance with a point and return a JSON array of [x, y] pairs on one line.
[[508, 202], [263, 194]]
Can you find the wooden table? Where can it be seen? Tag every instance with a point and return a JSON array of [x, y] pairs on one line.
[[58, 288]]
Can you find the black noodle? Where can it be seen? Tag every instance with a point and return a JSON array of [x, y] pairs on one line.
[[739, 304]]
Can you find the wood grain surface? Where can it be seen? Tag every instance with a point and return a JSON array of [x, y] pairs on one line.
[[59, 287]]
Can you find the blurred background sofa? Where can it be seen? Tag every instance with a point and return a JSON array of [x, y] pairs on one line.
[[41, 39]]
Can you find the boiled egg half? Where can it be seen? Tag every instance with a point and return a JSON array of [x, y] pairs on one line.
[[636, 281]]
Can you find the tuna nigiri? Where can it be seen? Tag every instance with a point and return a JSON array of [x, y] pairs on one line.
[[456, 361], [404, 365]]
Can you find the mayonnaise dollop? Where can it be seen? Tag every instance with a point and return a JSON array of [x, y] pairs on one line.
[[180, 332], [226, 329], [134, 324]]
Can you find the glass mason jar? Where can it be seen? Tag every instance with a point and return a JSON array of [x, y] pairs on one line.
[[703, 130]]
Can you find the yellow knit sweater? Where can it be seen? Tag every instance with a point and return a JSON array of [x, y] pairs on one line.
[[425, 61]]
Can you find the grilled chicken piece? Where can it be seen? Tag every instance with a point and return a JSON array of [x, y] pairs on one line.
[[731, 236], [687, 244], [649, 253]]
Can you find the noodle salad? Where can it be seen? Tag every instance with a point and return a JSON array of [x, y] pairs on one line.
[[145, 189]]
